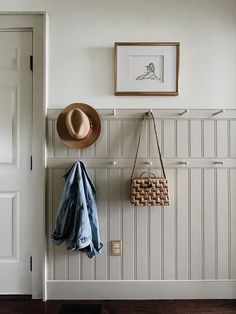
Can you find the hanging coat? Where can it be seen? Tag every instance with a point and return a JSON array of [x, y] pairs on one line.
[[77, 218]]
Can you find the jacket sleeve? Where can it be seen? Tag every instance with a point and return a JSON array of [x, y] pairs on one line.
[[95, 245], [66, 212], [94, 223]]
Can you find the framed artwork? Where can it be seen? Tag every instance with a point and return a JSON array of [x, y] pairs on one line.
[[146, 69]]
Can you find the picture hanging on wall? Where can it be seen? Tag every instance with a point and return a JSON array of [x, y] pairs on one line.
[[146, 69]]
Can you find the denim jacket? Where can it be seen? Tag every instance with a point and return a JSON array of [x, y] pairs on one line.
[[77, 219]]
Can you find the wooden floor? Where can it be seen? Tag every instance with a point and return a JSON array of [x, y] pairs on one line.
[[20, 306]]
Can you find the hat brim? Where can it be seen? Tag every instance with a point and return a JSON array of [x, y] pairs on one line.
[[94, 130]]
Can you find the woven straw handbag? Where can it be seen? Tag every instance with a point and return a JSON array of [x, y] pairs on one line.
[[149, 190]]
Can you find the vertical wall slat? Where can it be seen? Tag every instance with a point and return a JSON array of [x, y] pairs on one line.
[[60, 251], [169, 139], [144, 143], [182, 139], [59, 148], [49, 141], [142, 243], [152, 138], [88, 263], [209, 224], [155, 243], [196, 224], [169, 230], [115, 139], [222, 138], [222, 211], [101, 199], [73, 261], [101, 183], [115, 220], [50, 224], [128, 229], [209, 138], [88, 267], [130, 133], [182, 219], [232, 223], [196, 138], [232, 138], [142, 238], [88, 152], [101, 143], [74, 153], [60, 262]]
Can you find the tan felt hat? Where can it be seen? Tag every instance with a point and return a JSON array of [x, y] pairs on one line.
[[78, 125]]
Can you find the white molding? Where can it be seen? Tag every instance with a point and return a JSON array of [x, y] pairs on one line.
[[55, 162], [159, 113], [38, 152], [144, 289], [23, 12]]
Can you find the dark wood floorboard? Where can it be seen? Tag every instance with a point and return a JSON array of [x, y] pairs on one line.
[[19, 306]]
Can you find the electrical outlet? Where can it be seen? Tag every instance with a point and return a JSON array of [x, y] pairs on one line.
[[116, 248]]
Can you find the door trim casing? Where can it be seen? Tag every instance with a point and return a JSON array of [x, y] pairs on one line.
[[37, 21]]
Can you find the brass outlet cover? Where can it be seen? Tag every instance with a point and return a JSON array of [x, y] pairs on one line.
[[116, 247]]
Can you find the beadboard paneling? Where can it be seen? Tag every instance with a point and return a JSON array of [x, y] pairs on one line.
[[193, 238]]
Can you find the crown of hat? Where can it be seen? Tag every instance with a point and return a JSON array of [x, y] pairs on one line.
[[77, 123]]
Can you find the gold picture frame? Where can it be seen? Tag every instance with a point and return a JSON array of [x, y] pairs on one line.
[[147, 68]]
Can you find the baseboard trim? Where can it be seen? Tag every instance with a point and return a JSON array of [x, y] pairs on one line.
[[17, 297], [141, 289]]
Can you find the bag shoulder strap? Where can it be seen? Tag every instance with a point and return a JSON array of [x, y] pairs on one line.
[[157, 141]]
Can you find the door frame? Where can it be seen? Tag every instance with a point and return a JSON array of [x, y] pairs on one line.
[[37, 22]]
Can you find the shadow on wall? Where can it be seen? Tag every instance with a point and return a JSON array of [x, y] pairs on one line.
[[101, 71]]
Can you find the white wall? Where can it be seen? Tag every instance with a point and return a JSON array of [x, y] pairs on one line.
[[82, 35]]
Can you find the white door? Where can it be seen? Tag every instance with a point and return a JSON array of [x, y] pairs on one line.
[[15, 161]]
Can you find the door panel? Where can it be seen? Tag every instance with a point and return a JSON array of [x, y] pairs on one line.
[[8, 125], [15, 174], [7, 214]]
